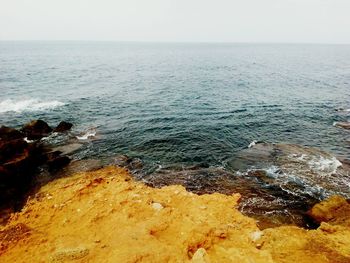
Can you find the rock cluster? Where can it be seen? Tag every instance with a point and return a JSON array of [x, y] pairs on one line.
[[21, 153]]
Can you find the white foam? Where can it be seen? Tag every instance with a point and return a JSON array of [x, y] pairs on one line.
[[322, 164], [9, 105], [272, 171], [27, 140], [298, 157], [252, 144], [343, 110], [87, 135]]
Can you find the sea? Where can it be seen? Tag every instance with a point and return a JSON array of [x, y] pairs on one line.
[[180, 104]]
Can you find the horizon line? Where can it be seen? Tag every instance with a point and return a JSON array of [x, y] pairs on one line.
[[176, 42]]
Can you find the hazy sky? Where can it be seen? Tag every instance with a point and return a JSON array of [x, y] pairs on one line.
[[315, 21]]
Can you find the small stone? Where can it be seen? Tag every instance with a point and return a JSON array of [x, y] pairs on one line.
[[256, 235], [157, 206]]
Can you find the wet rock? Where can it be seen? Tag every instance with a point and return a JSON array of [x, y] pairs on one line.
[[63, 126], [12, 148], [311, 171], [68, 148], [7, 133], [122, 160], [58, 163], [132, 164], [52, 155], [344, 125], [81, 166], [19, 162], [135, 164], [36, 129]]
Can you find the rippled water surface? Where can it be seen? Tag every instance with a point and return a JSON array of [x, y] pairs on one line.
[[180, 104]]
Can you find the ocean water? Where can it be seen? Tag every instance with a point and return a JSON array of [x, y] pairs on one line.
[[177, 104]]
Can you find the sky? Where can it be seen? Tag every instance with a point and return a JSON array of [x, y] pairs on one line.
[[281, 21]]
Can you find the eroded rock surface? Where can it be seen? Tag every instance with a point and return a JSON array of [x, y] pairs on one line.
[[105, 216]]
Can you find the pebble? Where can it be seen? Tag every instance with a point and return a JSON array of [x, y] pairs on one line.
[[254, 236], [157, 206]]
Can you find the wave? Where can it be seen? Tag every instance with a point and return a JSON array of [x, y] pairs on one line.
[[87, 135], [342, 110], [254, 142], [18, 106]]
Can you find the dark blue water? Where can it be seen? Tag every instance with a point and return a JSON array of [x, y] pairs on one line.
[[180, 103]]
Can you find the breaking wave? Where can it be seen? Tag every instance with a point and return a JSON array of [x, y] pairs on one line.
[[10, 105], [87, 135]]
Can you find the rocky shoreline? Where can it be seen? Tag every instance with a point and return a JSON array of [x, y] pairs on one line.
[[106, 216], [84, 212], [22, 152]]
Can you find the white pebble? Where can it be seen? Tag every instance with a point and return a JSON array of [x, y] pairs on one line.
[[254, 236], [157, 206]]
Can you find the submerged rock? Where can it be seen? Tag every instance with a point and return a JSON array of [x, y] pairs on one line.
[[58, 162], [133, 164], [68, 149], [63, 126], [36, 129], [311, 171], [344, 125], [278, 182], [291, 178]]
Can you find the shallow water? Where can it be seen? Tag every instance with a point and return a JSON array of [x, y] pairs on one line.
[[179, 105]]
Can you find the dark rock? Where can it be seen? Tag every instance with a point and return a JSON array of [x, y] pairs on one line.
[[58, 163], [10, 149], [19, 163], [36, 129], [7, 133], [344, 125], [128, 162], [63, 126], [135, 164], [17, 167], [122, 160], [52, 155]]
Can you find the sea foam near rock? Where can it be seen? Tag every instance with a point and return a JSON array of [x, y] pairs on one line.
[[10, 105], [87, 135]]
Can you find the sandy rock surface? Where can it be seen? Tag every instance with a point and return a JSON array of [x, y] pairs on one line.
[[105, 216]]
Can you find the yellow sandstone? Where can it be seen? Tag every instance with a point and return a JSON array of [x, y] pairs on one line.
[[105, 216]]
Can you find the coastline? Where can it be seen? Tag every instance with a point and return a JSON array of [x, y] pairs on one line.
[[105, 215]]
